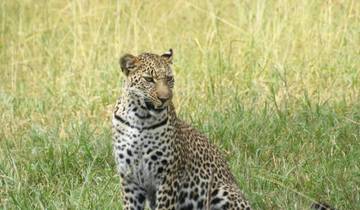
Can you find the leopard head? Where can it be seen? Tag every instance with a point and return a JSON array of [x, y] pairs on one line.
[[149, 78]]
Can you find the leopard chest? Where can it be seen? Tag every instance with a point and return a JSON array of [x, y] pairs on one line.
[[142, 153]]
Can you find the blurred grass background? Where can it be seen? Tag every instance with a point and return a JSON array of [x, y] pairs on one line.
[[275, 84]]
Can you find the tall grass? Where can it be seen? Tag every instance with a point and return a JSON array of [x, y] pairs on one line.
[[275, 84]]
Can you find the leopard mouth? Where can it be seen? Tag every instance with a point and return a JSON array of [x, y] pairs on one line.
[[150, 106]]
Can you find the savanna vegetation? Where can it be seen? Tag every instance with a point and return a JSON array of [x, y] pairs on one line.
[[275, 84]]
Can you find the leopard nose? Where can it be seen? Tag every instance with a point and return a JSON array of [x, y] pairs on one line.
[[163, 99]]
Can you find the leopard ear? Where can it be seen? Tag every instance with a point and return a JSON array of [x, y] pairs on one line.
[[128, 63], [168, 55]]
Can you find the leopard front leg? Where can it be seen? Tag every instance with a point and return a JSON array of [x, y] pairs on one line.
[[133, 196], [166, 196]]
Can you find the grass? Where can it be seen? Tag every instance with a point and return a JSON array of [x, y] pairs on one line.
[[275, 84]]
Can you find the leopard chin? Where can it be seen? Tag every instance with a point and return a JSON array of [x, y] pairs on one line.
[[150, 106]]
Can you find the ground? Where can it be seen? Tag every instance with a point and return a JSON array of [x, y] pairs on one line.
[[275, 84]]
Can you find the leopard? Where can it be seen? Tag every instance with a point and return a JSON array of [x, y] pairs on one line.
[[164, 163], [161, 159]]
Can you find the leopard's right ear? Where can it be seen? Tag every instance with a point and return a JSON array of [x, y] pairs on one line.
[[128, 63]]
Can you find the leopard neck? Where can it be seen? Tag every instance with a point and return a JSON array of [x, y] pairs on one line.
[[131, 110]]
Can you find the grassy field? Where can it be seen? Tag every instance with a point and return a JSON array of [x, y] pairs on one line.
[[275, 84]]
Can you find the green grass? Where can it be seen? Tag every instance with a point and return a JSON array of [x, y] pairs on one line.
[[275, 84]]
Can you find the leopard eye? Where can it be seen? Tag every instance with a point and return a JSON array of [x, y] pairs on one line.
[[149, 79]]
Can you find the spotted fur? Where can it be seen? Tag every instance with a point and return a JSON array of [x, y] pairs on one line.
[[160, 158], [321, 206]]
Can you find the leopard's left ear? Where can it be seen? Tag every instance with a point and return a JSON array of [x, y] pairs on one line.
[[168, 55]]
